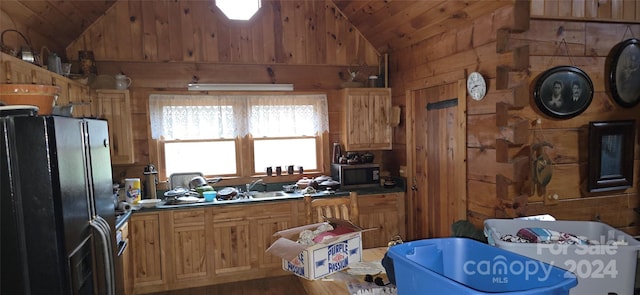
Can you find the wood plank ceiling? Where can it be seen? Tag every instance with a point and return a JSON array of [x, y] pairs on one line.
[[63, 21], [388, 24]]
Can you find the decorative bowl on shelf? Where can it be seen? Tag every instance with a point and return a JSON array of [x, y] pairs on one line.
[[42, 96]]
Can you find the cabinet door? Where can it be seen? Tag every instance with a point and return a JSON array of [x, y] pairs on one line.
[[358, 127], [266, 227], [230, 240], [380, 132], [189, 245], [367, 119], [270, 218], [384, 212], [114, 106], [147, 250]]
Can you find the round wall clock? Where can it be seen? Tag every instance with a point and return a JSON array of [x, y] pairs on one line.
[[476, 86]]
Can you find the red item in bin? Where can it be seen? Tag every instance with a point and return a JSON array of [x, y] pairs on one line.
[[332, 233]]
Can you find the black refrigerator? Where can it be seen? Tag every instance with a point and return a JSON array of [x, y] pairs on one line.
[[57, 210]]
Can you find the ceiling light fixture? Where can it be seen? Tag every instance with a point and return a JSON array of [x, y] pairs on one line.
[[239, 87]]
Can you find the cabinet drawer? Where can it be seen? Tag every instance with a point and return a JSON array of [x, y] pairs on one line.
[[188, 217]]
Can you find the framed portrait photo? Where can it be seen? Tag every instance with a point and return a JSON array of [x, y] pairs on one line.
[[623, 73], [611, 145], [563, 92]]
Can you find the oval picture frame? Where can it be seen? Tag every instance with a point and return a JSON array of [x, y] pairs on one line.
[[563, 92], [623, 73]]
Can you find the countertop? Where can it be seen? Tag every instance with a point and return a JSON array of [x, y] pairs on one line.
[[399, 187], [122, 217]]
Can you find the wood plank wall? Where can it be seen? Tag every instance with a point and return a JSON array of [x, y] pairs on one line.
[[585, 45], [611, 11], [306, 43], [446, 58], [500, 127], [282, 32], [581, 34]]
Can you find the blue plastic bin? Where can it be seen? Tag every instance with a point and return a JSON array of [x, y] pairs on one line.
[[466, 266]]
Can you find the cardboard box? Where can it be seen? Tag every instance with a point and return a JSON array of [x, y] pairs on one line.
[[322, 259]]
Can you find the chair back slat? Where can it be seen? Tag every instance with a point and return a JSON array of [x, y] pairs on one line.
[[319, 209]]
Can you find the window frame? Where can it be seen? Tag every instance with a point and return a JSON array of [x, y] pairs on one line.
[[244, 148]]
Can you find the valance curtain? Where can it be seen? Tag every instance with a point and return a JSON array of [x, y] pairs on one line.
[[184, 117]]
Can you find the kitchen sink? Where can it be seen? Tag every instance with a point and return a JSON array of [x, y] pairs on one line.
[[271, 195]]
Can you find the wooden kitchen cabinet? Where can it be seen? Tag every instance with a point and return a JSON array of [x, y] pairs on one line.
[[231, 246], [366, 119], [228, 233], [385, 212], [115, 107], [269, 219], [148, 246], [241, 236], [197, 246], [189, 247]]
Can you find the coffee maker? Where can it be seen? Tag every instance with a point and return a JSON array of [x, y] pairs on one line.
[[150, 181]]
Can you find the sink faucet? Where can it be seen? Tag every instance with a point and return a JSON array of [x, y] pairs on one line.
[[254, 183]]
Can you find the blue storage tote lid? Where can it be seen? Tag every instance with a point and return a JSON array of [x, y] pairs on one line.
[[466, 266]]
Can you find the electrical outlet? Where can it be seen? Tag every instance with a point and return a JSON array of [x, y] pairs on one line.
[[551, 199]]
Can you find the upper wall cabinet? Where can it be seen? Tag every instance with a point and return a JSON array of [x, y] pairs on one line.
[[114, 106], [366, 122]]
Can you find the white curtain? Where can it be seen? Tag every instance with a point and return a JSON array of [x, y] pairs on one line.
[[183, 116]]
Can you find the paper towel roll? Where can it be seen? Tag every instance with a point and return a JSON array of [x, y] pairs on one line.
[[124, 206]]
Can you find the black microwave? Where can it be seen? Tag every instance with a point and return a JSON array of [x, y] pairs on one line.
[[356, 175]]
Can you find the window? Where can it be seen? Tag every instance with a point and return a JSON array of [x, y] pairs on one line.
[[239, 9], [238, 135]]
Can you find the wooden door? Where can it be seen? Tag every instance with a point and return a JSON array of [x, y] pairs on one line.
[[438, 172]]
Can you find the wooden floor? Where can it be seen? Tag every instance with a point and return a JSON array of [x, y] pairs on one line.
[[289, 285]]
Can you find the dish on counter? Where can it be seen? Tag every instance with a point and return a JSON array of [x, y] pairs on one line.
[[148, 203]]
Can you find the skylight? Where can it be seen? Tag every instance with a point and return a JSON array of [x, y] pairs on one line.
[[239, 9]]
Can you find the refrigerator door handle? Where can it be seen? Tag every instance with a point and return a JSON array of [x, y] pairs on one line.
[[111, 253], [101, 227], [112, 265]]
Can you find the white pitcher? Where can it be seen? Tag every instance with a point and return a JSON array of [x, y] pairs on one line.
[[122, 82]]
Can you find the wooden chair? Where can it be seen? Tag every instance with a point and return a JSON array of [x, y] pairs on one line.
[[317, 209]]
